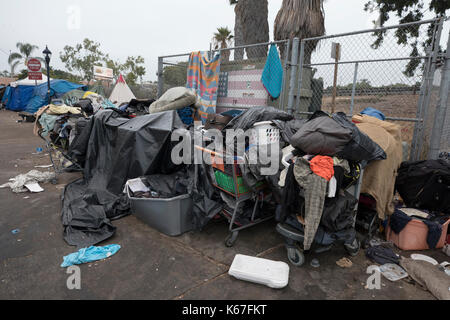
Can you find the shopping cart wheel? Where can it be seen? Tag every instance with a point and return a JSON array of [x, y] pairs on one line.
[[295, 256], [353, 248], [231, 239]]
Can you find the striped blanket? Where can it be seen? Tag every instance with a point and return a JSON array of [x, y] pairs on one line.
[[203, 76]]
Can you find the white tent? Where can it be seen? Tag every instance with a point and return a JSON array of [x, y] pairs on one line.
[[28, 82], [121, 92]]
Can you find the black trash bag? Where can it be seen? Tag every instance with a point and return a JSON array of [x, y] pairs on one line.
[[361, 147], [291, 201], [78, 148], [116, 150], [248, 118], [85, 105], [321, 135], [339, 212], [322, 236], [288, 128], [336, 136], [381, 255], [206, 200], [425, 184], [169, 185]]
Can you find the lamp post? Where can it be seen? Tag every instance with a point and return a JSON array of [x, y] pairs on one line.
[[48, 55]]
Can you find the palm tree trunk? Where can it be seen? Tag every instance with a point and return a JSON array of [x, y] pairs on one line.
[[301, 19], [238, 36], [253, 15]]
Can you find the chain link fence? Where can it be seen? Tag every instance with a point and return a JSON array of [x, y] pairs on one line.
[[239, 81], [388, 69], [391, 69]]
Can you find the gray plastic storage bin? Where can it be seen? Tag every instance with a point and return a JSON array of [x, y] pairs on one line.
[[172, 216]]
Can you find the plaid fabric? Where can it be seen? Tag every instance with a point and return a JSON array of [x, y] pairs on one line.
[[315, 191]]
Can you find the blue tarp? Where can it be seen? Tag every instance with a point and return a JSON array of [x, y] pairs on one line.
[[31, 98], [6, 95]]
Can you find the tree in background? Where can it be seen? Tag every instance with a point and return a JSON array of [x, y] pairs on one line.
[[407, 11], [252, 16], [175, 76], [132, 69], [25, 53], [301, 19], [82, 58], [222, 39]]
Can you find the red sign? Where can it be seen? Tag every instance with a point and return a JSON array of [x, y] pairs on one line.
[[34, 75], [34, 65]]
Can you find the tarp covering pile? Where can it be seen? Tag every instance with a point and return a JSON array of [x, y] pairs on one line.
[[30, 98], [115, 149]]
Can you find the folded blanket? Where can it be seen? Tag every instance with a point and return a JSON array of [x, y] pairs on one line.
[[379, 176]]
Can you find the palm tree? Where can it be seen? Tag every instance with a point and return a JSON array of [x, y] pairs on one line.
[[301, 19], [223, 38], [252, 16], [238, 36], [25, 50]]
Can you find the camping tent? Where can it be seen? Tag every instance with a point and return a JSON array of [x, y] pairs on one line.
[[121, 92], [22, 96]]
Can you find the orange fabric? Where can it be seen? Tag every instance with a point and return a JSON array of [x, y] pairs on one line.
[[322, 166]]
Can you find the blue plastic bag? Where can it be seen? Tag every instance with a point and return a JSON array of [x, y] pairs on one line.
[[92, 253], [369, 111]]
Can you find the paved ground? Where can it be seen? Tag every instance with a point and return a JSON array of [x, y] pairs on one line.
[[150, 265]]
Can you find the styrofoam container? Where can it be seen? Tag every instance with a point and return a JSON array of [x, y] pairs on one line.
[[414, 236], [274, 274], [172, 216]]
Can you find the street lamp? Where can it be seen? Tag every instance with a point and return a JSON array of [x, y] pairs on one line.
[[48, 55]]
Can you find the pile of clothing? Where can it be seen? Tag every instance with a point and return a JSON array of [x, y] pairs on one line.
[[330, 152], [57, 122]]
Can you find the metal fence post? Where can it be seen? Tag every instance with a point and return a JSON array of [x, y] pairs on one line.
[[418, 127], [286, 68], [429, 87], [160, 77], [300, 72], [355, 79], [441, 108], [293, 65]]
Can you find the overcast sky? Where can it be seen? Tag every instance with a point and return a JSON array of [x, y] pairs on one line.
[[147, 28]]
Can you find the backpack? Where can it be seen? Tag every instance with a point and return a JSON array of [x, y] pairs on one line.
[[425, 184]]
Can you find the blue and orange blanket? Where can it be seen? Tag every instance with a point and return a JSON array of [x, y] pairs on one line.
[[203, 76]]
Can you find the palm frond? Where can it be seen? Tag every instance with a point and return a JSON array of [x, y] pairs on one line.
[[14, 56], [14, 65]]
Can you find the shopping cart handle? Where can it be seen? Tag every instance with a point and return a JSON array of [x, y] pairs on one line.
[[216, 154]]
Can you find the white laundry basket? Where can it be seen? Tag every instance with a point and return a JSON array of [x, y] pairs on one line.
[[264, 133]]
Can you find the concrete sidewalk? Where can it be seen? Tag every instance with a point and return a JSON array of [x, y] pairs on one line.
[[150, 265]]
